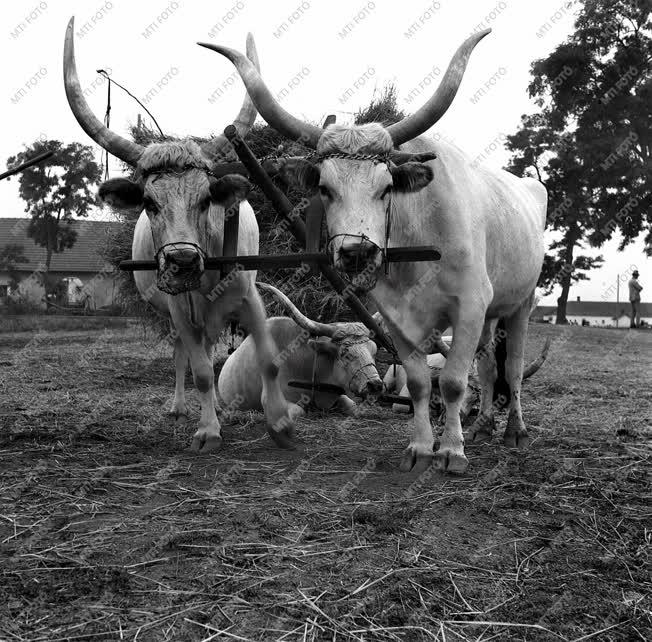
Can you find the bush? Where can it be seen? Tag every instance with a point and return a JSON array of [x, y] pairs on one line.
[[20, 305]]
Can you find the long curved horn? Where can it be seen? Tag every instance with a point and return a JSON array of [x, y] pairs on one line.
[[538, 362], [248, 112], [314, 327], [218, 149], [267, 105], [115, 144], [423, 119]]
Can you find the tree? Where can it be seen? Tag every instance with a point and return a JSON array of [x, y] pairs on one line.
[[55, 190], [11, 256], [591, 143], [570, 209]]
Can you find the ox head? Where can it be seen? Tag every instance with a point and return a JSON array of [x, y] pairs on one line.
[[172, 182], [357, 168], [347, 345]]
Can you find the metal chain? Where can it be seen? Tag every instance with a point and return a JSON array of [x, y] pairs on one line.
[[376, 158]]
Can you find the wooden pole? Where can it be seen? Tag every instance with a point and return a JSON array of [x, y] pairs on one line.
[[25, 165], [276, 261]]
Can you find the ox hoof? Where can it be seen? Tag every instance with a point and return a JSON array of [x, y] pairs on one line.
[[449, 461], [482, 429], [178, 413], [516, 434], [413, 461], [513, 439], [204, 443], [479, 436], [283, 438]]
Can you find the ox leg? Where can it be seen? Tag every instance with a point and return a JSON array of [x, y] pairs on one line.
[[346, 405], [179, 408], [418, 455], [402, 408], [280, 424], [210, 353], [295, 411], [485, 423], [208, 437], [516, 328], [453, 380]]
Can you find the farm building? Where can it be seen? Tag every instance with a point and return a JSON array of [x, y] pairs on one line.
[[596, 313], [81, 273]]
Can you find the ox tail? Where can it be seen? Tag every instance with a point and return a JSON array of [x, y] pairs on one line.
[[502, 392]]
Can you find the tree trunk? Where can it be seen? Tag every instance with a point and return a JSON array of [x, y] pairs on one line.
[[565, 280], [49, 249]]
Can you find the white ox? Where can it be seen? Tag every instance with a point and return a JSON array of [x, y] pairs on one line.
[[488, 225], [182, 210], [395, 379], [337, 354]]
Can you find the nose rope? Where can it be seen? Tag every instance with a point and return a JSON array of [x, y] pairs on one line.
[[360, 369]]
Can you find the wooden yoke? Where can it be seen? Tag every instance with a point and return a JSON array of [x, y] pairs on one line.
[[314, 218], [25, 165]]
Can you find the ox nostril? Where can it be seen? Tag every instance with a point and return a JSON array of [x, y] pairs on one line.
[[374, 387], [183, 258], [358, 253]]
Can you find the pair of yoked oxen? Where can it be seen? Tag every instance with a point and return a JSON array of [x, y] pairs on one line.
[[489, 225]]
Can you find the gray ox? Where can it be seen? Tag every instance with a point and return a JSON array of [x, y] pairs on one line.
[[340, 354], [487, 223], [182, 210]]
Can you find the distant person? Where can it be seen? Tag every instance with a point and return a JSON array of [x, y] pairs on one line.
[[635, 299]]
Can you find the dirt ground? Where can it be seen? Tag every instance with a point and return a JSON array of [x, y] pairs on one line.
[[110, 529]]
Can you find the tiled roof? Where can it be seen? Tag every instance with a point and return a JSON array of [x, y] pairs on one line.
[[83, 256], [609, 309]]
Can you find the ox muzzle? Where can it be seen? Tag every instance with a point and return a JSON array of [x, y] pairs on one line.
[[179, 267], [366, 381], [356, 256]]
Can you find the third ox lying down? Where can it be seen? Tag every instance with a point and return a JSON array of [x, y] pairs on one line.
[[488, 224]]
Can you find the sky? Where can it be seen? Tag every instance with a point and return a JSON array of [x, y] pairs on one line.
[[318, 56]]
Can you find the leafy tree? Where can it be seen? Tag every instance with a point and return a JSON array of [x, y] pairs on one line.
[[55, 190], [591, 143], [11, 256]]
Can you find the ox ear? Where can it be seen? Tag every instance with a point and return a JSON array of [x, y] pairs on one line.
[[300, 173], [229, 189], [122, 194], [324, 345], [411, 177]]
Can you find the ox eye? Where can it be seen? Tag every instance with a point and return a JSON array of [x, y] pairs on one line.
[[325, 192], [150, 206], [386, 192]]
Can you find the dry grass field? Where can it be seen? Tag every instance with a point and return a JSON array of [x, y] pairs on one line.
[[111, 530]]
